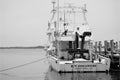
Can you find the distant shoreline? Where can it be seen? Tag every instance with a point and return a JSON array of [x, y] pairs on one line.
[[34, 47]]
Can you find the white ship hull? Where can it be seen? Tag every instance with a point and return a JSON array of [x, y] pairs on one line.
[[79, 65]]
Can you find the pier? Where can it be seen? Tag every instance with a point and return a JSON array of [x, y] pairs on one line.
[[110, 49]]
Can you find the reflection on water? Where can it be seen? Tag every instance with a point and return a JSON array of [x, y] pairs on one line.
[[53, 75]]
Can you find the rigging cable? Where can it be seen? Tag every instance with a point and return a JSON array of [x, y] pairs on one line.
[[18, 66]]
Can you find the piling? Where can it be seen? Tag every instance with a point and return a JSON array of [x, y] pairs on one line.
[[99, 47], [111, 49], [116, 45], [96, 47], [105, 46]]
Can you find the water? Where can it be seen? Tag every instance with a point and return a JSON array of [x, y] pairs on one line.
[[39, 70]]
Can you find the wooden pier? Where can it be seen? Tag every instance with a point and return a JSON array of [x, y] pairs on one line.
[[109, 49]]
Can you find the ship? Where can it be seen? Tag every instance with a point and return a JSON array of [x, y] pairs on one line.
[[69, 47]]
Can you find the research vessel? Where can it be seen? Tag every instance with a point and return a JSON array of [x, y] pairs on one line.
[[69, 47]]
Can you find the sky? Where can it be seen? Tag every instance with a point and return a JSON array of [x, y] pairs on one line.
[[24, 22]]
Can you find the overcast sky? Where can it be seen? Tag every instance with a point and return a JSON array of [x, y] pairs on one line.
[[24, 22]]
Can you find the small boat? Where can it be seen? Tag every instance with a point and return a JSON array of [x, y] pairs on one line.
[[70, 46]]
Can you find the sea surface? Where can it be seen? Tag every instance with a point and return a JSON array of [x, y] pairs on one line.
[[31, 64]]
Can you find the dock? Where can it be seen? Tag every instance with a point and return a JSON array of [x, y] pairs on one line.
[[109, 49]]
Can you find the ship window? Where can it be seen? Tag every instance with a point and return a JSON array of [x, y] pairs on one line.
[[64, 45]]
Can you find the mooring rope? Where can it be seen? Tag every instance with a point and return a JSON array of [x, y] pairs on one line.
[[18, 66]]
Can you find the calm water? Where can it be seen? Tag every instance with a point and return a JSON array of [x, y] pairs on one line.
[[39, 70]]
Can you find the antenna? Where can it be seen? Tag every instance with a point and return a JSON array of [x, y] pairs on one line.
[[64, 15], [53, 11], [84, 11], [64, 20], [57, 15], [53, 2]]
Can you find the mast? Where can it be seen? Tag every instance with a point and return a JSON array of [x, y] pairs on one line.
[[57, 30], [57, 15]]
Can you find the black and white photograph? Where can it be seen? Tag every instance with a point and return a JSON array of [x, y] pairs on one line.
[[59, 39]]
